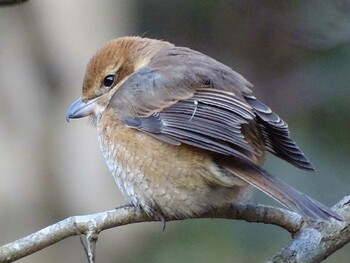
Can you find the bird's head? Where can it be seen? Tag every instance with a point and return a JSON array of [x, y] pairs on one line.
[[108, 69]]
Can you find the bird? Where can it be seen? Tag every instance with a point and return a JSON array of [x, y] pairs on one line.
[[183, 134]]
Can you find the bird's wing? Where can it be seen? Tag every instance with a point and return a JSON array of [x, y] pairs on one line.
[[181, 111], [276, 135], [161, 99]]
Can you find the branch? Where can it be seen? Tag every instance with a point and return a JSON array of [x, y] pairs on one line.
[[316, 243], [93, 224], [11, 2], [124, 215]]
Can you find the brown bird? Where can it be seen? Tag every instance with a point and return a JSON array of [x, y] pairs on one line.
[[182, 133]]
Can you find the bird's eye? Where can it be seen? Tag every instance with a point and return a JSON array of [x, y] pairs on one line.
[[108, 81]]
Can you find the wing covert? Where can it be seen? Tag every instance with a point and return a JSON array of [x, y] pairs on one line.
[[210, 119]]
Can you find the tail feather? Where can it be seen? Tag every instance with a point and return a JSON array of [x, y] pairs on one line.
[[281, 192]]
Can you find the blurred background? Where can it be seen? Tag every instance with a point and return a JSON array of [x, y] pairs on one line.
[[296, 53]]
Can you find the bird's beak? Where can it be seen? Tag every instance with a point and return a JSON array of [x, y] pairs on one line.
[[80, 109]]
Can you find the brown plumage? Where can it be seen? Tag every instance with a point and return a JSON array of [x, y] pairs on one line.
[[182, 133]]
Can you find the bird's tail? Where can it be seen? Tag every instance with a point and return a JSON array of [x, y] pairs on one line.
[[280, 191]]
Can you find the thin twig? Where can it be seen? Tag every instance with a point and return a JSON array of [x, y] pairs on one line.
[[11, 2], [92, 238]]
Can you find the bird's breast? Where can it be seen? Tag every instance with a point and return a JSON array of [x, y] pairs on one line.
[[122, 163], [177, 180]]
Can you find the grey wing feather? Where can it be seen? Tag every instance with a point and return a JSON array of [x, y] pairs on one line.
[[276, 135], [210, 119]]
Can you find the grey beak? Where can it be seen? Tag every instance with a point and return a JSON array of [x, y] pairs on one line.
[[80, 109]]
